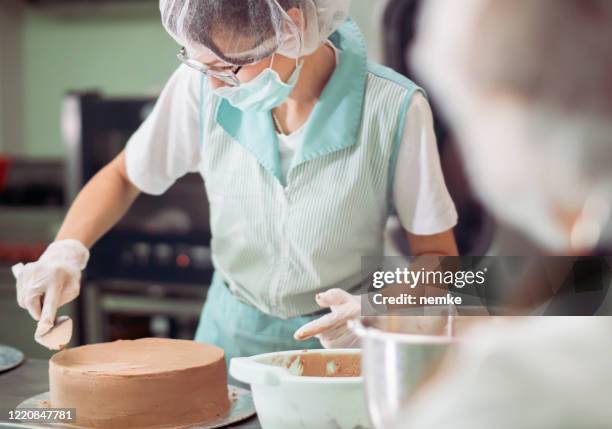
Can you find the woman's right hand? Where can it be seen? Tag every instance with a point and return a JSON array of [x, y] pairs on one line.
[[52, 281]]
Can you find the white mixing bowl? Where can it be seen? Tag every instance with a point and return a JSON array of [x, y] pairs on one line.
[[285, 400]]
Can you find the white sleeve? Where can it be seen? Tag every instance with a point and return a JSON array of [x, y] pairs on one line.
[[420, 197], [167, 144], [537, 373]]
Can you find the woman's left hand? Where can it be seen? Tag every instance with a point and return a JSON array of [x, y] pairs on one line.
[[331, 329]]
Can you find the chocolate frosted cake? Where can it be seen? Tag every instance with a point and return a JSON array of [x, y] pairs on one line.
[[147, 383]]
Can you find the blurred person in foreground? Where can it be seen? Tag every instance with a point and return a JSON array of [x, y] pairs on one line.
[[527, 87]]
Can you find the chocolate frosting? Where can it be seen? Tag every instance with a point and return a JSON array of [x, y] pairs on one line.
[[326, 365], [151, 382]]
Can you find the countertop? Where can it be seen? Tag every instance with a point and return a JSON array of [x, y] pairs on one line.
[[31, 378]]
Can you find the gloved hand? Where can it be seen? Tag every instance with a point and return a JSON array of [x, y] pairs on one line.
[[52, 281], [333, 332], [331, 329]]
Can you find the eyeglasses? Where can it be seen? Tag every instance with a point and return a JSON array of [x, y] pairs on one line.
[[227, 76]]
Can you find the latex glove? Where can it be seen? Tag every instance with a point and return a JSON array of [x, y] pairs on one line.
[[52, 281], [331, 329], [333, 332]]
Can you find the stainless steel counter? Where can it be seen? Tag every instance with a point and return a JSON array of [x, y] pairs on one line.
[[31, 378], [23, 382]]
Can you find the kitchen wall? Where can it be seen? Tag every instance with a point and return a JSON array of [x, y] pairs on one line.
[[368, 15], [120, 55], [11, 76]]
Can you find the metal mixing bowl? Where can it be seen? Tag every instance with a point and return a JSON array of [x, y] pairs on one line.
[[395, 360]]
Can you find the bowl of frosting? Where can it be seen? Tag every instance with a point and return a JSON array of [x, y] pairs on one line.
[[306, 388]]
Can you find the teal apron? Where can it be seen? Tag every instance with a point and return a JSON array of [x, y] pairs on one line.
[[243, 330]]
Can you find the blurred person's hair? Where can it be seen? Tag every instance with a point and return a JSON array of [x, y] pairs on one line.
[[553, 53], [527, 87]]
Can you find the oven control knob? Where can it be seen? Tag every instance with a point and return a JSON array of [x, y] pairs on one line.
[[142, 252], [200, 256], [162, 254]]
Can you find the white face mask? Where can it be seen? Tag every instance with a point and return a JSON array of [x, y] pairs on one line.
[[526, 167], [263, 93]]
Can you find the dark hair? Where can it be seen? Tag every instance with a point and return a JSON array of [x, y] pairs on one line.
[[235, 20]]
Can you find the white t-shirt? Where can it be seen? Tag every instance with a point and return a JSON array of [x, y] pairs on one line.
[[420, 196], [539, 373], [167, 146]]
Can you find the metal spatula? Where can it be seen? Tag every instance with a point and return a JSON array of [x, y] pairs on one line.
[[59, 335]]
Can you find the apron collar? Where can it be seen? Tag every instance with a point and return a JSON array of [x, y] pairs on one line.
[[334, 122]]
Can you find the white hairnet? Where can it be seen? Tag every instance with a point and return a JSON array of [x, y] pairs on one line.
[[527, 86], [244, 31]]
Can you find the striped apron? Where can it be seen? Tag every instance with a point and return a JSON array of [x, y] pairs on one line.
[[277, 243]]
